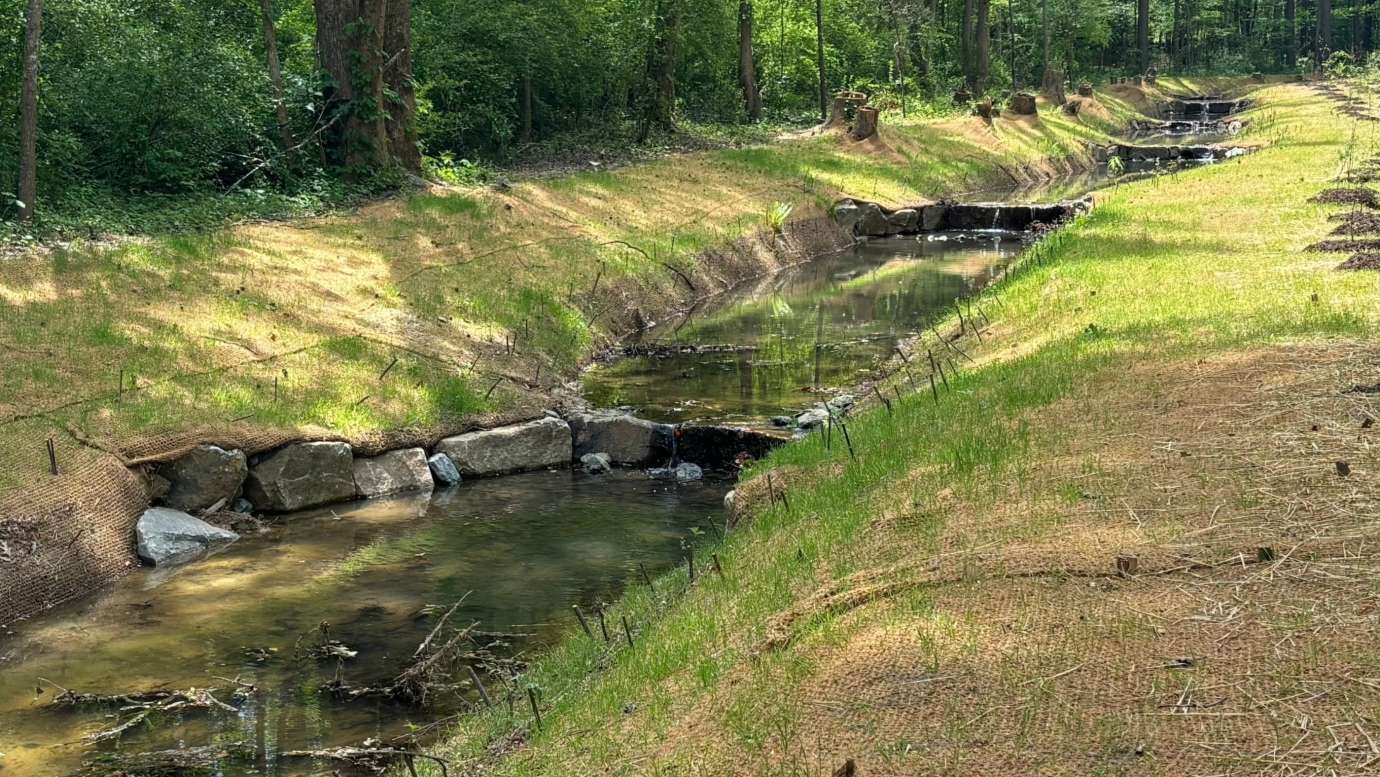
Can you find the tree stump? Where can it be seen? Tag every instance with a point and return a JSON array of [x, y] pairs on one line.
[[1052, 85], [1072, 107], [986, 109], [962, 97], [845, 109], [1085, 89], [1022, 104], [866, 124], [1150, 75]]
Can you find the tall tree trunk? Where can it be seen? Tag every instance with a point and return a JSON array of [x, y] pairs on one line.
[[1143, 33], [364, 47], [1045, 33], [967, 45], [275, 73], [983, 46], [1291, 22], [28, 112], [525, 106], [659, 86], [819, 57], [1323, 43], [747, 62]]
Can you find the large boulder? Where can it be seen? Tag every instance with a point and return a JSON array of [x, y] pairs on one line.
[[302, 475], [394, 472], [932, 217], [203, 477], [904, 221], [723, 447], [596, 463], [873, 222], [625, 438], [166, 537], [538, 444], [847, 214], [443, 470]]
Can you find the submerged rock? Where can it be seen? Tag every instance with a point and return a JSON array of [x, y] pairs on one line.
[[394, 472], [203, 477], [534, 445], [302, 475], [782, 421], [166, 537], [625, 438], [596, 463], [443, 470], [685, 472]]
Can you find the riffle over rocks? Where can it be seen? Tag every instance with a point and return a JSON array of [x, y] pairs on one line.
[[868, 219], [202, 478], [395, 472], [626, 439], [1131, 153], [166, 537], [539, 444], [302, 475]]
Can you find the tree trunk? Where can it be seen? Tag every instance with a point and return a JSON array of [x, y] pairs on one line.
[[659, 86], [1045, 33], [525, 107], [819, 56], [747, 62], [28, 112], [1324, 34], [982, 49], [966, 46], [275, 73], [1143, 33], [364, 48], [1291, 22]]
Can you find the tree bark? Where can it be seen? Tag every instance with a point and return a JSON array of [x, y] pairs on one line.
[[966, 45], [28, 112], [983, 46], [659, 87], [275, 73], [819, 57], [1045, 33], [525, 107], [364, 48], [747, 62], [1143, 33], [1291, 22], [1324, 34]]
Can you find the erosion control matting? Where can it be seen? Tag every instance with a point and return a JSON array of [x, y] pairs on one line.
[[1369, 261], [1346, 196]]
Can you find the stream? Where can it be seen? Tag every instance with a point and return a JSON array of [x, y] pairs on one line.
[[517, 552]]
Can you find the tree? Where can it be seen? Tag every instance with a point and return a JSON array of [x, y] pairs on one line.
[[819, 56], [364, 48], [28, 112], [747, 64], [1323, 44], [275, 72], [982, 46], [659, 83], [1143, 34], [1291, 21]]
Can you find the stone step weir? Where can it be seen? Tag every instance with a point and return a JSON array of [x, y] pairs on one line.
[[869, 219], [1167, 153], [1205, 105]]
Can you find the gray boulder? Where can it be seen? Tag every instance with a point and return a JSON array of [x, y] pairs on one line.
[[685, 472], [812, 418], [847, 214], [932, 217], [873, 222], [167, 537], [443, 470], [538, 444], [302, 475], [840, 404], [625, 438], [904, 220], [203, 477], [395, 472], [596, 463]]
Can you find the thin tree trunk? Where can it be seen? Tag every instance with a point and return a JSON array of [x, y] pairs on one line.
[[747, 62], [819, 57], [967, 45], [1143, 33], [1291, 21], [525, 107], [659, 87], [28, 112], [1044, 30], [275, 73], [1324, 35], [982, 50]]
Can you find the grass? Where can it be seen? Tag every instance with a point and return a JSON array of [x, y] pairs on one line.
[[481, 295], [1168, 323]]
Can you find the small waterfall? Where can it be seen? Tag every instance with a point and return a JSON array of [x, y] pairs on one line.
[[996, 218]]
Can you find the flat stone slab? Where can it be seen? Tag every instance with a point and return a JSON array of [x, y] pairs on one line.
[[540, 444], [166, 537], [203, 477], [302, 475], [395, 472], [625, 438]]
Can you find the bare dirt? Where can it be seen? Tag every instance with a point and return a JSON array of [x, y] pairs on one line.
[[1346, 196]]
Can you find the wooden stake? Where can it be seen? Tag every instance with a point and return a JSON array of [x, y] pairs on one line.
[[718, 568], [885, 402], [536, 711], [934, 390], [690, 560], [603, 627], [627, 632], [645, 577], [479, 686], [584, 624], [52, 457]]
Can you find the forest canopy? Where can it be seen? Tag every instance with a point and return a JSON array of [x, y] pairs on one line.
[[299, 98]]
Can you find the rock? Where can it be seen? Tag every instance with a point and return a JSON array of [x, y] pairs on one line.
[[443, 470], [812, 418], [1013, 217], [302, 475], [203, 477], [847, 214], [873, 223], [932, 217], [395, 472], [539, 444], [968, 217], [243, 506], [596, 463], [1047, 214], [685, 472], [730, 499], [904, 220], [167, 537], [782, 421], [1022, 104], [625, 438], [723, 448], [841, 403]]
